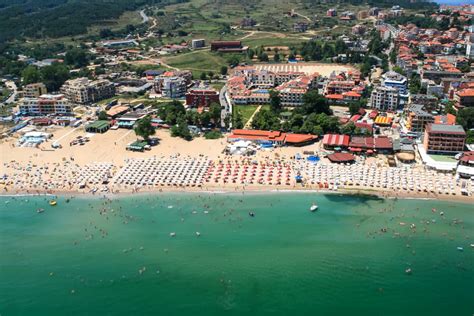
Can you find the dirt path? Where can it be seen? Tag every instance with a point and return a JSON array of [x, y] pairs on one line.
[[249, 122]]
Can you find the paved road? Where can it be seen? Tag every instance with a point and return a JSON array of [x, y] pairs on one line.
[[12, 86], [226, 107], [145, 18]]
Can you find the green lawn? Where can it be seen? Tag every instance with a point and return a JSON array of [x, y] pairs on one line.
[[246, 111], [199, 61], [443, 158]]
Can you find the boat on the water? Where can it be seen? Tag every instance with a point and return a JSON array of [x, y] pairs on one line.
[[53, 203], [313, 207], [40, 210], [251, 214]]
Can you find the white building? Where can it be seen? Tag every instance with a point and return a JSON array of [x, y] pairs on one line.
[[173, 87], [384, 98], [198, 43], [396, 80], [47, 104], [85, 91]]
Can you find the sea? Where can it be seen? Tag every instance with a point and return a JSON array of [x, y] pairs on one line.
[[204, 254]]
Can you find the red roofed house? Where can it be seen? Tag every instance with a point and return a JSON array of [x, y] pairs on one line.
[[334, 140], [465, 97]]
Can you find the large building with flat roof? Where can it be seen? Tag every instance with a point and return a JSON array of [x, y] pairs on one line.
[[444, 139], [47, 104], [85, 91]]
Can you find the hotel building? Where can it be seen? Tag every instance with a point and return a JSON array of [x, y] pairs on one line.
[[444, 139]]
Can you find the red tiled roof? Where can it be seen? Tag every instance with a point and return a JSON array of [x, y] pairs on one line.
[[352, 94], [355, 117], [466, 93], [271, 136], [334, 96], [383, 143], [299, 138], [341, 157]]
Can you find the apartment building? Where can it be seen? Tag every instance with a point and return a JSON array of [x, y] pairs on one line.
[[173, 87], [444, 139], [339, 86], [201, 98], [198, 43], [395, 80], [34, 90], [384, 98], [46, 104], [464, 97], [85, 91], [416, 118]]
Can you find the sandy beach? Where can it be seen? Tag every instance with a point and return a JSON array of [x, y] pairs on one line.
[[104, 166]]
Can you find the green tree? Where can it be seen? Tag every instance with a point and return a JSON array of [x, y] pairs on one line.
[[354, 108], [31, 74], [449, 108], [465, 118], [238, 120], [340, 47], [76, 57], [415, 84], [102, 116], [313, 102], [144, 128], [203, 76], [276, 57], [54, 76], [275, 101], [181, 130], [224, 70], [215, 112], [263, 57], [470, 137], [266, 120], [348, 129]]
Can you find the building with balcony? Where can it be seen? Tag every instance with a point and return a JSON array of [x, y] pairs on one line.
[[444, 139], [395, 80], [47, 104], [85, 91], [384, 98], [34, 90], [201, 98]]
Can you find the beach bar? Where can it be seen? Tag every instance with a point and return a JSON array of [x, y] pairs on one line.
[[98, 127]]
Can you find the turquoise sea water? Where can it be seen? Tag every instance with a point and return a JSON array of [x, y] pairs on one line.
[[90, 256]]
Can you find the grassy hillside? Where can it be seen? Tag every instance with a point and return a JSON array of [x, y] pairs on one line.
[[56, 18]]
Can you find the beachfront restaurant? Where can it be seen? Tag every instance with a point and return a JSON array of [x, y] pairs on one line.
[[33, 139], [98, 127], [465, 168], [275, 138], [128, 120], [138, 145], [336, 141], [341, 158], [370, 145]]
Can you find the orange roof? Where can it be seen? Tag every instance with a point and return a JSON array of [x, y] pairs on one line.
[[334, 96], [448, 119], [466, 93], [299, 138], [352, 94], [383, 120], [118, 109]]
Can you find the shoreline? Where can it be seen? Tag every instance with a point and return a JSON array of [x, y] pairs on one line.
[[358, 192]]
